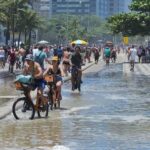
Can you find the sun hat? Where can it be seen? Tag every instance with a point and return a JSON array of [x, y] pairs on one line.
[[55, 58]]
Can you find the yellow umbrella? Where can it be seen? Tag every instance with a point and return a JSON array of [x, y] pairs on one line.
[[79, 42]]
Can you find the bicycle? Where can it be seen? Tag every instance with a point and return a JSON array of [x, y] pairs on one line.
[[23, 107], [52, 92], [76, 80]]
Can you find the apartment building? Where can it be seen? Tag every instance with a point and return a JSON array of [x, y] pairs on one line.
[[43, 8], [76, 7], [101, 8], [106, 8]]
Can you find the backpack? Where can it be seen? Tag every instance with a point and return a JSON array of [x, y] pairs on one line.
[[107, 52], [25, 79]]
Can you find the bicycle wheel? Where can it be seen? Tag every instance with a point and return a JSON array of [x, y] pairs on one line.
[[42, 109], [50, 98], [23, 109]]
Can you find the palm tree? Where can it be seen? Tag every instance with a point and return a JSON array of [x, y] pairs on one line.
[[5, 17], [9, 9], [30, 22], [16, 16]]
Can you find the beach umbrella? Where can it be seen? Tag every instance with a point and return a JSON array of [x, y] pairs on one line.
[[43, 42], [79, 42]]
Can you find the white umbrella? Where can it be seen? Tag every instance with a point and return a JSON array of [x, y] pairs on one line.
[[43, 42]]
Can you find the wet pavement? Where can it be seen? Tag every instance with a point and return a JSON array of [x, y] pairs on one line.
[[7, 89], [111, 113]]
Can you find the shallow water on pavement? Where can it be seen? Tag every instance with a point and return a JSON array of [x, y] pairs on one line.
[[7, 89], [111, 113]]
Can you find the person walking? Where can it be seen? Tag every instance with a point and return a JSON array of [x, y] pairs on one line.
[[107, 53], [40, 56], [139, 53], [2, 57], [96, 55], [133, 54], [12, 59]]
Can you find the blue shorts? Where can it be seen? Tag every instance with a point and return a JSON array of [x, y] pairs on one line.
[[39, 83], [58, 78]]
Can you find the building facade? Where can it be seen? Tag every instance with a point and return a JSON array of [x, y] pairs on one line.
[[127, 3], [116, 7], [101, 8], [76, 7], [107, 8], [43, 8]]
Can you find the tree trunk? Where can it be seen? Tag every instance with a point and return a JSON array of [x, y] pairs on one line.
[[13, 29], [7, 34], [25, 36], [19, 36], [29, 38]]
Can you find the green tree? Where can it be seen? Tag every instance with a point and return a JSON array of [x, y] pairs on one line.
[[16, 16], [133, 23], [65, 28], [31, 21]]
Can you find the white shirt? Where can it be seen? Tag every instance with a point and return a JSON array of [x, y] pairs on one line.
[[51, 52], [133, 54], [34, 51]]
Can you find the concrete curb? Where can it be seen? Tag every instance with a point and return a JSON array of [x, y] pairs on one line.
[[7, 109]]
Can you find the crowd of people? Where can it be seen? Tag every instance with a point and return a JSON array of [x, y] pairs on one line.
[[41, 60], [15, 57]]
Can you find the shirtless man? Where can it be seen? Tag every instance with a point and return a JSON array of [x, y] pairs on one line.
[[34, 69]]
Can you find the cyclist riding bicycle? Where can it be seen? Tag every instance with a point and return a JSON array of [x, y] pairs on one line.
[[76, 61], [55, 69], [33, 68]]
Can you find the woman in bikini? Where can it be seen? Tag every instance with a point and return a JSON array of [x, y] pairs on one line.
[[55, 70]]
